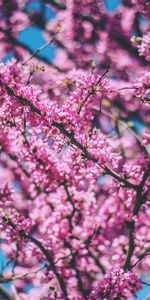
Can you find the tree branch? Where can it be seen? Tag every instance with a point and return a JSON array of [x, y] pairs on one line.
[[46, 253], [52, 264], [72, 139], [5, 295], [56, 4], [130, 226], [14, 41], [40, 49], [139, 198]]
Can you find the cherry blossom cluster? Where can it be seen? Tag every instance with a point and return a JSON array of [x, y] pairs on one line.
[[56, 183], [142, 86], [144, 48], [117, 285], [15, 225], [143, 6]]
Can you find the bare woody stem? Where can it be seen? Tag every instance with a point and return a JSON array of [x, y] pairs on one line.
[[52, 264], [19, 276], [40, 49], [140, 257], [56, 4], [131, 225]]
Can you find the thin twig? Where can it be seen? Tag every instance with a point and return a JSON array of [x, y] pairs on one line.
[[21, 44], [122, 123], [41, 48], [140, 258], [16, 277], [93, 90], [146, 283]]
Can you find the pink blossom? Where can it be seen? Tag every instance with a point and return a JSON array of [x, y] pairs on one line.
[[144, 47], [143, 6], [74, 153], [117, 284]]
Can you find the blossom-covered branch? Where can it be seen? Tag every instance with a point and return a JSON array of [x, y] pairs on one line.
[[74, 151]]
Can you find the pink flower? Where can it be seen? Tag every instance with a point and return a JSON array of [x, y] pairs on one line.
[[117, 284], [144, 47], [143, 6]]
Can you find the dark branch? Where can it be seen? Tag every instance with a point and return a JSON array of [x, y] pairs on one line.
[[55, 4], [72, 139], [140, 198], [46, 253], [130, 226], [52, 264], [5, 295]]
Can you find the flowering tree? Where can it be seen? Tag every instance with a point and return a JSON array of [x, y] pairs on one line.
[[74, 168]]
